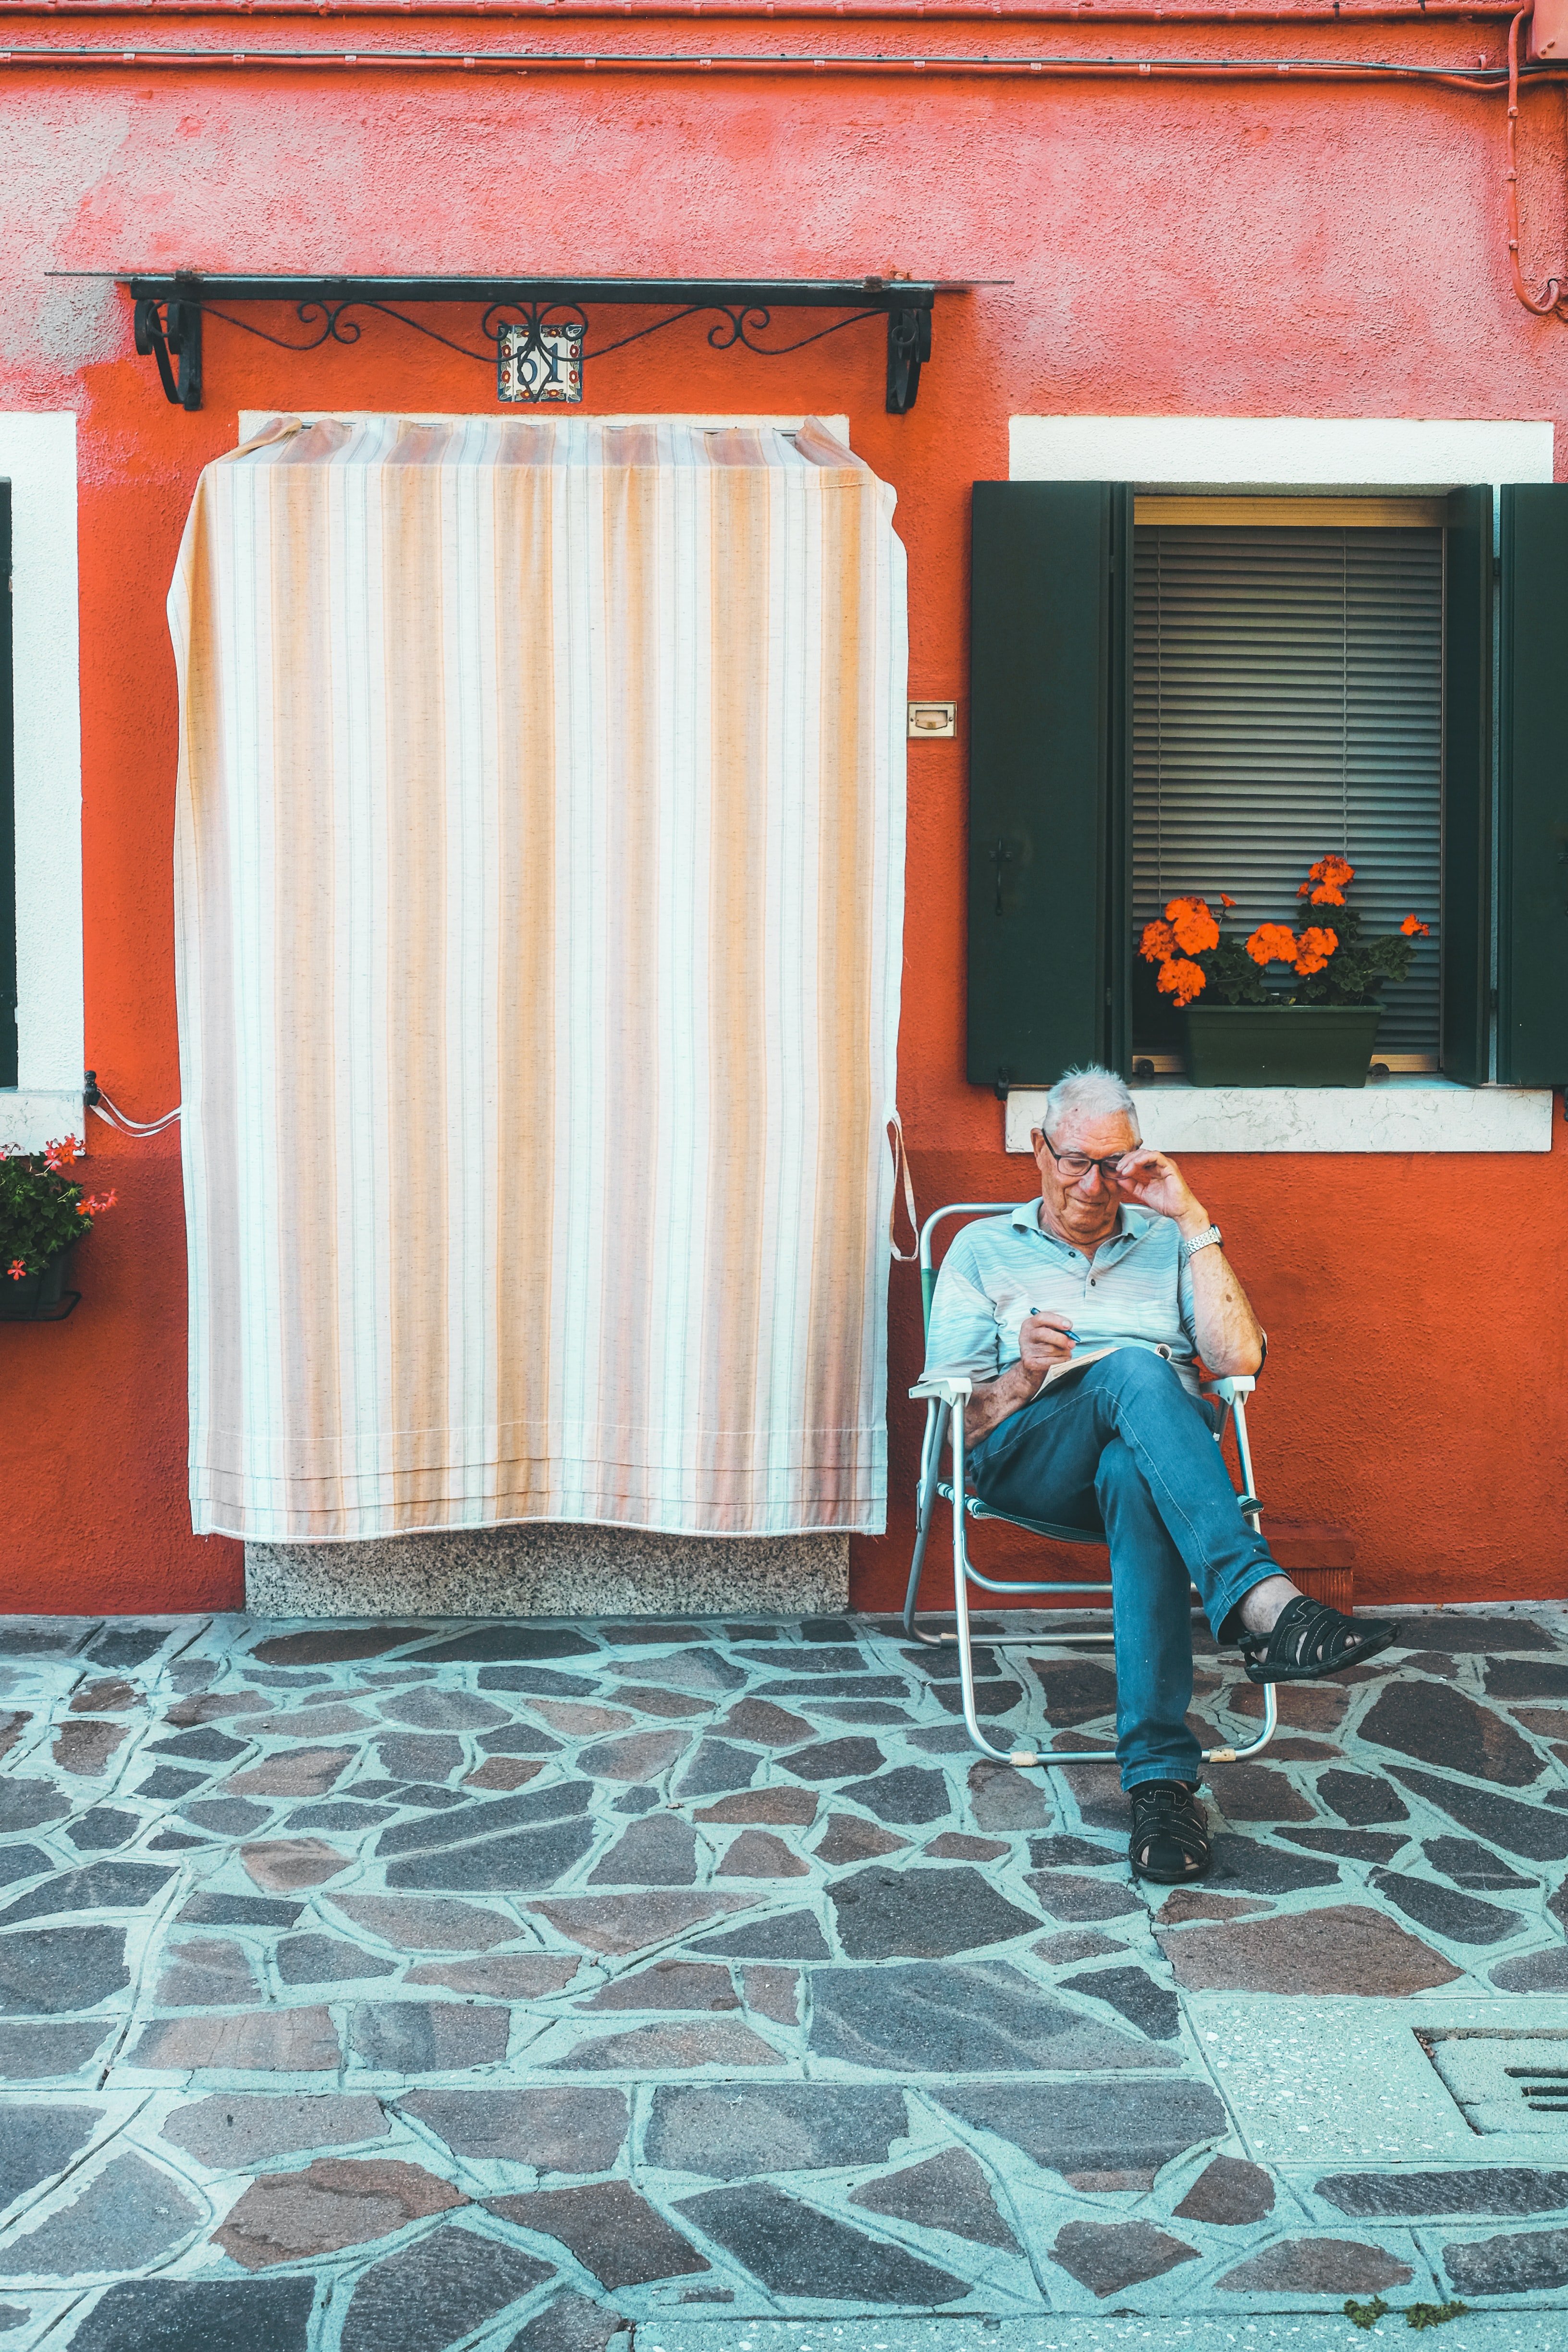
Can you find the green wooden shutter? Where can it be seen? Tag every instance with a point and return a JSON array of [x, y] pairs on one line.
[[1465, 979], [1532, 789], [7, 810], [1050, 720]]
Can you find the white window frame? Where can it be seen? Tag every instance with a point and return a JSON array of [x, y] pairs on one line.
[[1250, 456], [37, 454]]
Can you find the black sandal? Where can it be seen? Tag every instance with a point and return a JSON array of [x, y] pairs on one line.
[[1170, 1839], [1311, 1639]]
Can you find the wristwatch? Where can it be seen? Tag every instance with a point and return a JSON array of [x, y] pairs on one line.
[[1210, 1238]]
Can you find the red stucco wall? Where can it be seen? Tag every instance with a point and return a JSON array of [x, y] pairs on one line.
[[1276, 246]]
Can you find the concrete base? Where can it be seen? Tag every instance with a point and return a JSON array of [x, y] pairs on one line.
[[550, 1569]]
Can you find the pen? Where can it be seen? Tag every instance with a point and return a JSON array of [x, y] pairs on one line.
[[1066, 1335]]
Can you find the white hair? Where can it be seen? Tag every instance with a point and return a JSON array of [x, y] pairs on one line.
[[1089, 1093]]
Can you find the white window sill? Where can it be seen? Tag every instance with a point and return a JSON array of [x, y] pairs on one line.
[[31, 1116], [1396, 1114]]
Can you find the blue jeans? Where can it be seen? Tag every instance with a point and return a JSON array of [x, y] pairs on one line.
[[1124, 1449]]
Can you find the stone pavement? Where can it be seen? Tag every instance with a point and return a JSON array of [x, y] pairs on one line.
[[541, 1988]]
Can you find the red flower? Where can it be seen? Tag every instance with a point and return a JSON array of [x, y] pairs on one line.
[[1180, 979], [1194, 925], [1331, 874], [16, 1270], [1272, 944], [1313, 949], [1414, 931], [1224, 901], [1158, 942], [95, 1204], [60, 1154]]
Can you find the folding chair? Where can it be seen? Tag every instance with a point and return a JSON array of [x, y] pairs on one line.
[[945, 1401]]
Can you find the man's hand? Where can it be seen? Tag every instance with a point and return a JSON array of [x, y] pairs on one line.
[[1043, 1341], [1149, 1181]]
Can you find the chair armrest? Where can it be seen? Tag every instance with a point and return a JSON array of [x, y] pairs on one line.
[[944, 1389], [1229, 1387]]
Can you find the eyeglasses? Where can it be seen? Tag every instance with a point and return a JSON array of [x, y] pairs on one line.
[[1075, 1165]]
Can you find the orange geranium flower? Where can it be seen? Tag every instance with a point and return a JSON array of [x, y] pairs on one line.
[[1180, 979], [1224, 901], [1193, 924], [1158, 943], [18, 1270], [1330, 874], [1414, 930], [59, 1154], [1273, 943], [1314, 948]]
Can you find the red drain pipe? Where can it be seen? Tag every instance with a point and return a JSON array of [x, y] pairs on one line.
[[1551, 302]]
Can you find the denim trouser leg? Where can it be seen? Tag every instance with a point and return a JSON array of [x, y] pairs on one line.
[[1125, 1447]]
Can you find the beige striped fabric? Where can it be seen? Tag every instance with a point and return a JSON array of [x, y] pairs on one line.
[[539, 886]]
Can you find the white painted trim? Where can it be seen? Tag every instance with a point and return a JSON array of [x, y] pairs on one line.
[[31, 1116], [1413, 1114], [37, 456], [1263, 453]]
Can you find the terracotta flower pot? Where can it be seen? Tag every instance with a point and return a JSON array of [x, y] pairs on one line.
[[1280, 1045]]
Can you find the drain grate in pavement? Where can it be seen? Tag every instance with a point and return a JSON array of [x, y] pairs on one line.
[[1504, 2082], [1544, 2088]]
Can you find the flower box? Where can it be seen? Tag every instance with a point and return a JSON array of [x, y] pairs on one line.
[[41, 1297], [1280, 1045]]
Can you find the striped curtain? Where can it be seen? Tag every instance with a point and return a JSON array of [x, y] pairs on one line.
[[539, 885]]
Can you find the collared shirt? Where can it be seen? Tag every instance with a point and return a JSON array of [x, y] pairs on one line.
[[1137, 1292]]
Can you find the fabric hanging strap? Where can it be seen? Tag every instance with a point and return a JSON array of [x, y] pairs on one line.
[[902, 1171]]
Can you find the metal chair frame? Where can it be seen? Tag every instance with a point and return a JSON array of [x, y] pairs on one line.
[[945, 1401]]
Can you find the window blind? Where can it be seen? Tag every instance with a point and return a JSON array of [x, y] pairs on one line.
[[1288, 700]]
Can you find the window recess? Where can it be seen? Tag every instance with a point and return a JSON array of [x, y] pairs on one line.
[[1168, 700]]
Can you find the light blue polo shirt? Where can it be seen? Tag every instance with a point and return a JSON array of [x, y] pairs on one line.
[[1136, 1292]]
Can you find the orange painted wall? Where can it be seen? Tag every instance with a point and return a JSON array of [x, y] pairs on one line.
[[1259, 249]]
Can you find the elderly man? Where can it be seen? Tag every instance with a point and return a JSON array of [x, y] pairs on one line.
[[1117, 1252]]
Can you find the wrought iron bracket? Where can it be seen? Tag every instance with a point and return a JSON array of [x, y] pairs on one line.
[[169, 310]]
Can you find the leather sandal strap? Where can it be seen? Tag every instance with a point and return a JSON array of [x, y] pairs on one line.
[[1307, 1633]]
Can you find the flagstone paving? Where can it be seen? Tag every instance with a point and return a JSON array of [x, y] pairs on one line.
[[550, 1988]]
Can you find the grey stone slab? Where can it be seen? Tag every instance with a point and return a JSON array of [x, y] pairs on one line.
[[328, 1960], [1534, 1972], [816, 1687], [1335, 2266], [427, 1708], [704, 1670], [259, 2041], [577, 2130], [237, 2130], [617, 2236], [910, 1793], [165, 2314], [674, 2046], [859, 1710], [127, 1646], [1361, 1798], [923, 1913], [126, 2216], [570, 2323], [492, 1641], [947, 2191], [1519, 1678], [1106, 2256], [658, 1850], [1438, 1723], [1342, 1947], [1230, 2194], [1467, 1637], [335, 2201], [623, 1924], [1067, 1894], [847, 1838], [518, 1740], [487, 1817], [1350, 1845], [27, 1860], [1522, 2262], [758, 1853], [1076, 1854], [648, 1698], [718, 1765], [833, 1658], [28, 1804], [45, 1637], [833, 1759], [1133, 1992], [990, 1698], [418, 1756], [86, 1748], [1477, 2188], [206, 1973], [984, 2017], [1265, 1869], [99, 1886], [640, 1756], [525, 1863], [339, 1814], [13, 2315], [1463, 1918], [441, 2288], [541, 1681], [426, 2037], [414, 1923], [220, 1909], [51, 1972], [39, 2052], [39, 2142], [226, 1816], [727, 2132], [1076, 1690], [795, 2250], [332, 1644], [1082, 2129], [1528, 1829], [758, 1720], [1075, 1944], [1471, 1864], [1001, 1798], [501, 1975], [205, 1745], [786, 1936]]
